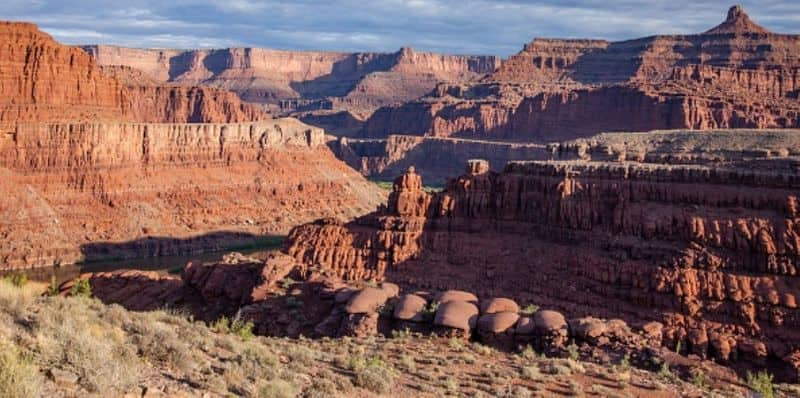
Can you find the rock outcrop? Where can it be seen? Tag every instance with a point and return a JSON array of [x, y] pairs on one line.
[[736, 75], [707, 251], [42, 80], [75, 192]]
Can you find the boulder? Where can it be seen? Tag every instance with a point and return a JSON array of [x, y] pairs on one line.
[[410, 307], [457, 315], [525, 326], [456, 295], [587, 329], [368, 299], [499, 322], [499, 304], [550, 330], [360, 325], [391, 289], [343, 295]]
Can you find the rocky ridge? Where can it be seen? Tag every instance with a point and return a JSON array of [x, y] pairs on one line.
[[303, 81], [737, 75]]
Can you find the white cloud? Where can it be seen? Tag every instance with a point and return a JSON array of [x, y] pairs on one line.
[[456, 26]]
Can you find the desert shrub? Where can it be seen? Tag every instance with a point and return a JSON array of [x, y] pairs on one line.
[[761, 383], [18, 279], [276, 389], [376, 376], [575, 388], [408, 363], [19, 378], [430, 311], [81, 288], [556, 368], [451, 384], [301, 355], [574, 352], [70, 335], [529, 309], [699, 378], [625, 362], [531, 372], [221, 325], [256, 362], [52, 287], [243, 329], [14, 300], [158, 342]]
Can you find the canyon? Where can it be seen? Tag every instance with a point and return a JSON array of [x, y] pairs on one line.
[[694, 230], [105, 163], [736, 75], [320, 86]]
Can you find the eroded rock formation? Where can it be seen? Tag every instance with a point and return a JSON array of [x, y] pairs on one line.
[[73, 192], [44, 81], [736, 75], [707, 251], [304, 81]]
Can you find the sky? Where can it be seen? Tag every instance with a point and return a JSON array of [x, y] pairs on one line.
[[493, 27]]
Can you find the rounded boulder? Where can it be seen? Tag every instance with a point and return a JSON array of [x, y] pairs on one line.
[[410, 307], [456, 295], [457, 314], [498, 322], [549, 321], [499, 304], [366, 300]]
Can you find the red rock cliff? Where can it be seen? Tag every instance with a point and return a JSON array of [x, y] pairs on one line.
[[735, 75], [711, 252], [42, 81]]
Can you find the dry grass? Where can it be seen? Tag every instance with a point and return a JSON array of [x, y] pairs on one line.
[[112, 351]]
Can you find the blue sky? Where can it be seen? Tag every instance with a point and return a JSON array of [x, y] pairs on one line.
[[498, 27]]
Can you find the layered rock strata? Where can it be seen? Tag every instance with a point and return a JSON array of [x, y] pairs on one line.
[[710, 252], [44, 81], [736, 75], [436, 159], [74, 192], [302, 81]]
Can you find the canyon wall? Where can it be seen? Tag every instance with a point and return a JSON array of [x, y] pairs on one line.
[[74, 192], [736, 75], [435, 159], [44, 81], [290, 81], [709, 249]]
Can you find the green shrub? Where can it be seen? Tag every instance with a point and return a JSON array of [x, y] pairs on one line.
[[52, 287], [699, 378], [81, 288], [375, 376], [573, 351], [221, 325], [529, 309], [761, 383], [18, 279], [242, 329], [19, 378], [276, 389]]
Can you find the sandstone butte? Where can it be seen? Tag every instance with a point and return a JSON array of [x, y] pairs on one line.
[[330, 89], [736, 75], [619, 226], [98, 164]]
